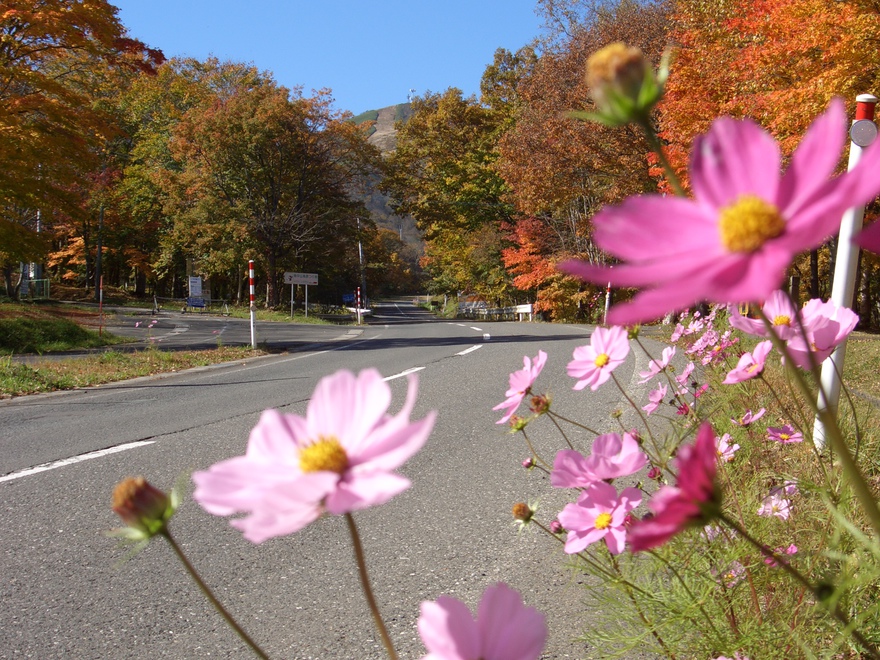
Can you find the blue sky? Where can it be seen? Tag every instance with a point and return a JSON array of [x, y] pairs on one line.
[[369, 53]]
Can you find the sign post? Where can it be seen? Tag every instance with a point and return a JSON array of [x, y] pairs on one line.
[[300, 278]]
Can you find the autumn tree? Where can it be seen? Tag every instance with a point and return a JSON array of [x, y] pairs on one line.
[[52, 125], [442, 175], [280, 163], [778, 62], [562, 171]]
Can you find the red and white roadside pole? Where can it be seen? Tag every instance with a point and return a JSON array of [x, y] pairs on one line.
[[357, 304], [863, 132], [253, 305]]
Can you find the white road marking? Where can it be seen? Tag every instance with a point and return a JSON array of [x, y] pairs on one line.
[[477, 329], [470, 350], [403, 373], [74, 459]]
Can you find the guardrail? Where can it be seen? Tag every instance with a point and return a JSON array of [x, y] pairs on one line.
[[479, 310]]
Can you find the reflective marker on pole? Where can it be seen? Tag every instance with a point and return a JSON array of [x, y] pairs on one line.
[[253, 306], [862, 132], [357, 304]]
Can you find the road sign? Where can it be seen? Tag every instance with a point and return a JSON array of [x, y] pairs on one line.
[[309, 279]]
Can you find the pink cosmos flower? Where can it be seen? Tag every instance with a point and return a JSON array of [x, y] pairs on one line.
[[339, 458], [599, 513], [775, 505], [750, 365], [504, 629], [592, 365], [785, 435], [826, 325], [520, 384], [790, 550], [733, 575], [611, 457], [778, 309], [682, 378], [656, 366], [692, 501], [655, 398], [725, 449], [735, 239], [748, 418]]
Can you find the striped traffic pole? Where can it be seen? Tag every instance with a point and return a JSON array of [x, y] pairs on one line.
[[357, 304], [253, 306], [862, 133]]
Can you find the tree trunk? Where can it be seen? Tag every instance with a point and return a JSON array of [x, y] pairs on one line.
[[140, 283], [814, 273], [271, 288]]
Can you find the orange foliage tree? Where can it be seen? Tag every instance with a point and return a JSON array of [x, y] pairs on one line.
[[561, 171]]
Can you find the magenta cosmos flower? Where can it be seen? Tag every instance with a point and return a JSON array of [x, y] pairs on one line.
[[339, 458], [750, 365], [599, 513], [733, 242], [785, 435], [592, 365], [693, 500], [505, 629], [520, 385]]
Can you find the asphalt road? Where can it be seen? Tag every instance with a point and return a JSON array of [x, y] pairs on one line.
[[66, 593]]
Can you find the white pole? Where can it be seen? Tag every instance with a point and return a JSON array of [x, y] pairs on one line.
[[253, 306], [291, 298], [862, 132], [307, 301]]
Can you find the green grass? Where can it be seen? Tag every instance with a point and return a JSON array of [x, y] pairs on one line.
[[44, 335], [20, 379]]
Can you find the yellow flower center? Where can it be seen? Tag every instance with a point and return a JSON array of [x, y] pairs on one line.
[[601, 360], [603, 520], [325, 455], [748, 223], [784, 436], [782, 319]]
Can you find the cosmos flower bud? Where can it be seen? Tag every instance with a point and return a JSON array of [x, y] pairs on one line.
[[623, 84], [556, 527], [144, 509], [540, 404], [523, 512], [528, 463], [517, 423]]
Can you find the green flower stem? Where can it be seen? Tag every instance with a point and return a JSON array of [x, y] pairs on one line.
[[657, 147], [684, 584], [633, 404], [783, 563], [640, 612], [368, 591], [838, 442], [555, 415], [210, 595], [564, 436], [534, 453]]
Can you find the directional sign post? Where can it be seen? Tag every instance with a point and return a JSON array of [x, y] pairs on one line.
[[300, 278]]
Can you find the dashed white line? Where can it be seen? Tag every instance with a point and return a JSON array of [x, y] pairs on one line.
[[470, 350], [403, 373], [477, 329], [74, 459]]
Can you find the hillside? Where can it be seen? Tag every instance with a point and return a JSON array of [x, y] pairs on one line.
[[383, 135]]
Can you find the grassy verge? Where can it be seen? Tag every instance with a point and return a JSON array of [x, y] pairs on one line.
[[46, 376], [33, 329]]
